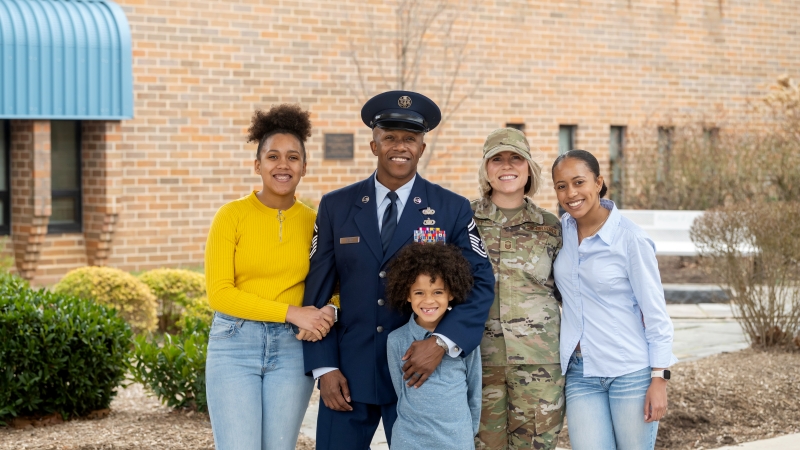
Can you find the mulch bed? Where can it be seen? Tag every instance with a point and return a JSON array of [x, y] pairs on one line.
[[720, 400], [685, 269], [729, 399], [136, 421]]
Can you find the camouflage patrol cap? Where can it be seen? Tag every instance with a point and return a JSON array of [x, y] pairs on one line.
[[506, 140]]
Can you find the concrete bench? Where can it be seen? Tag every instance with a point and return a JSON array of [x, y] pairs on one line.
[[668, 229]]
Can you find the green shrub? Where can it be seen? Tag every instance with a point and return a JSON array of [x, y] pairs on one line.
[[196, 309], [174, 289], [115, 288], [6, 255], [176, 370], [58, 353]]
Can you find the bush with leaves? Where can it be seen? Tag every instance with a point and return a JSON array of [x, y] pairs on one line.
[[58, 353], [114, 288], [754, 249], [174, 289], [175, 370], [196, 309]]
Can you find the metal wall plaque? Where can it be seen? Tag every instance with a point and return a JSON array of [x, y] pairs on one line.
[[338, 146]]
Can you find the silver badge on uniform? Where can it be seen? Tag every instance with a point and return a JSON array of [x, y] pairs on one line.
[[428, 211], [417, 200], [404, 102], [429, 222], [364, 199]]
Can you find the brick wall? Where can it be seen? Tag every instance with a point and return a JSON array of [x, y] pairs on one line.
[[30, 191], [202, 67]]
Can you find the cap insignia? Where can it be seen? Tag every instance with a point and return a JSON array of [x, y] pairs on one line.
[[404, 102]]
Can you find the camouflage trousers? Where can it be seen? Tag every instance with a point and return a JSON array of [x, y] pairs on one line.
[[522, 407]]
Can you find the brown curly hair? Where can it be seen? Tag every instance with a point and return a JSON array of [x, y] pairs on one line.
[[281, 119], [433, 260]]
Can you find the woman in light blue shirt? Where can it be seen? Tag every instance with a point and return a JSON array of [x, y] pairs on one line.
[[616, 336]]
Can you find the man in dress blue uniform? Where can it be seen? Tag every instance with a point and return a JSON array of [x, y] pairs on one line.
[[359, 229]]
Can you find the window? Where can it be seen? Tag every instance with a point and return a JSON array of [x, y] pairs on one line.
[[665, 135], [566, 142], [615, 151], [711, 136], [516, 126], [5, 188], [65, 176], [566, 138]]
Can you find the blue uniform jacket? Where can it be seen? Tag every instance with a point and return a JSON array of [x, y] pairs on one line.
[[357, 342]]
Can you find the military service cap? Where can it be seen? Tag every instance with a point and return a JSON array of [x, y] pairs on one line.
[[509, 140], [506, 140], [401, 110]]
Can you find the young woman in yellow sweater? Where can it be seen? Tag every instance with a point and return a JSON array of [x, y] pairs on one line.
[[256, 263]]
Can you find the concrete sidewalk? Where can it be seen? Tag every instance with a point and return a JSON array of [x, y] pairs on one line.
[[787, 442]]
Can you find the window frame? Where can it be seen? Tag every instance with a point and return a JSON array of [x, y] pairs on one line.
[[5, 194], [76, 194], [665, 141], [573, 137], [617, 163], [517, 126]]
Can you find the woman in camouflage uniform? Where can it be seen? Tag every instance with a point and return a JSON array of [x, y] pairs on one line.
[[523, 388]]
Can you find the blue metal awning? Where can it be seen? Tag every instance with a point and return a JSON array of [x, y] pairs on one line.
[[65, 59]]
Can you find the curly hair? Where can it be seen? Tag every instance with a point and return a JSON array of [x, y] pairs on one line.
[[433, 260], [281, 119]]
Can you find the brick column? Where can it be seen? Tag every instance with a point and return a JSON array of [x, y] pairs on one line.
[[102, 176], [30, 191]]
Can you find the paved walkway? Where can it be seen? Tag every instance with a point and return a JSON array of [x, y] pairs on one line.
[[700, 330]]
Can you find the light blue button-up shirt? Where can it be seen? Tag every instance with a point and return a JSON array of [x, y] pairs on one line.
[[444, 413], [613, 299]]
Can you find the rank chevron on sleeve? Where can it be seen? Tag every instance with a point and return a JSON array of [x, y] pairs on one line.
[[314, 242], [475, 239]]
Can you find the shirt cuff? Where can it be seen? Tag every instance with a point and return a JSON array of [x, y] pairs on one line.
[[455, 350], [662, 357], [322, 371]]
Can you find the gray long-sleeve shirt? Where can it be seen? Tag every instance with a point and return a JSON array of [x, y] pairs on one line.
[[443, 413]]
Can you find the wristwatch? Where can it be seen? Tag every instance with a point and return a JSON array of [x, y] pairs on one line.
[[335, 312], [665, 374], [441, 343]]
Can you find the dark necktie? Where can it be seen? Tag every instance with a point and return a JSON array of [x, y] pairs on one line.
[[389, 221]]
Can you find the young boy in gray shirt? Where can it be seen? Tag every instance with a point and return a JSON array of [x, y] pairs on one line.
[[443, 413]]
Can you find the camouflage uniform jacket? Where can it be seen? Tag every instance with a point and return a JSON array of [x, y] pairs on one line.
[[524, 322]]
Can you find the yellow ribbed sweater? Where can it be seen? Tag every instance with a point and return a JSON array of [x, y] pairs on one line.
[[256, 264]]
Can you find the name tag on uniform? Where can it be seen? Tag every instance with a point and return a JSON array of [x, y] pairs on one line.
[[350, 240], [545, 228]]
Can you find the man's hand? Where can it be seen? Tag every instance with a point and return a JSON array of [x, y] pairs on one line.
[[334, 391], [655, 401], [422, 358]]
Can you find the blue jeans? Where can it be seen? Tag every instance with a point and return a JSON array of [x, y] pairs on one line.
[[255, 383], [608, 413]]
